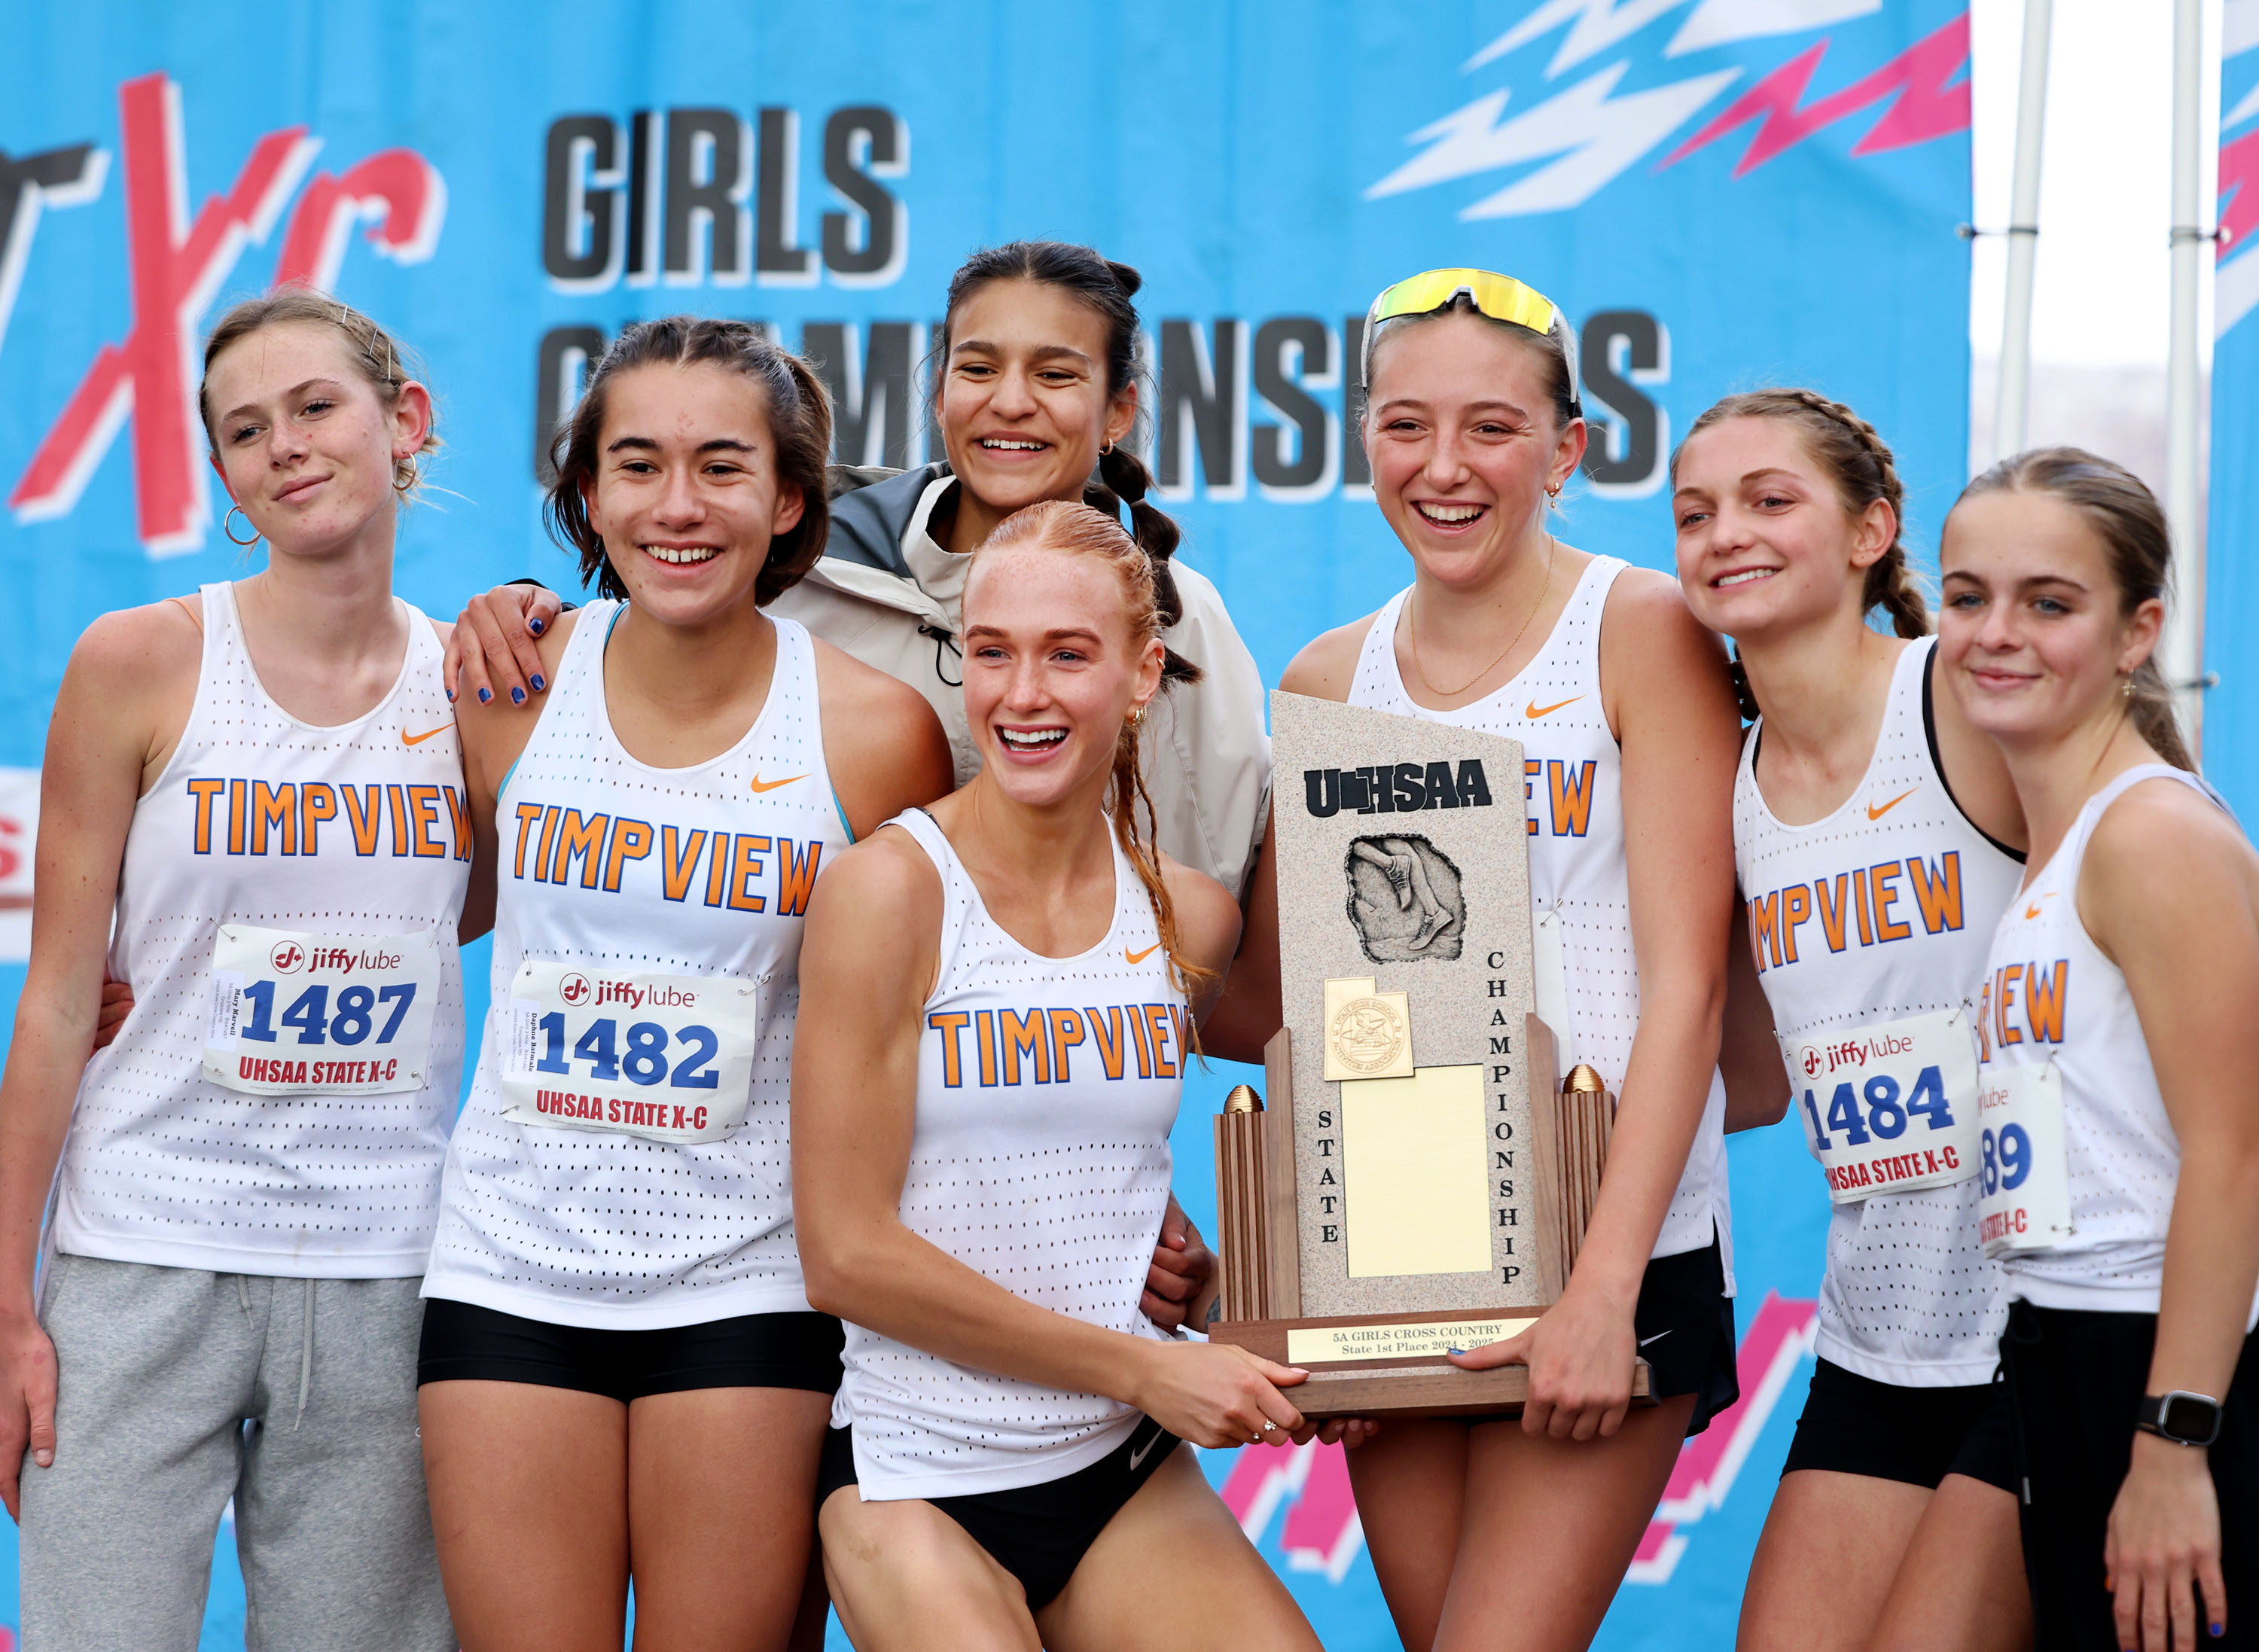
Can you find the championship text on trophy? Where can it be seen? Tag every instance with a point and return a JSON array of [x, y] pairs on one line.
[[1420, 1181]]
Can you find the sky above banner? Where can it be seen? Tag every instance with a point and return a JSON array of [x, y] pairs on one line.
[[1720, 194]]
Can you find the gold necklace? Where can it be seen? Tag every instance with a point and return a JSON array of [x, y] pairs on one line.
[[1413, 624]]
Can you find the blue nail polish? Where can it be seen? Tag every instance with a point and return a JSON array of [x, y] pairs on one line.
[[517, 697], [485, 694], [450, 696], [1455, 1351], [539, 682], [2218, 1629], [536, 626]]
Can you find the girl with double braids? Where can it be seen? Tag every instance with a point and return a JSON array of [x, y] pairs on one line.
[[1034, 386], [1621, 701], [1877, 841], [1000, 996], [2119, 1159], [622, 1376], [249, 1175]]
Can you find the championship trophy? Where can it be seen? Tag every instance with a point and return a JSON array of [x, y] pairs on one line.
[[1421, 1176]]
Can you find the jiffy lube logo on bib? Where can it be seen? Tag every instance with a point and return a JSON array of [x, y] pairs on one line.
[[667, 1057], [1890, 1108]]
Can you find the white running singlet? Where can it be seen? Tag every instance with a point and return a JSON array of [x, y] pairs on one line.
[[1861, 922], [1040, 1159], [1574, 787], [625, 1160], [2052, 999], [320, 1157]]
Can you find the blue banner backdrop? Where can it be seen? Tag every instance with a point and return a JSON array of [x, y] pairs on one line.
[[2231, 709], [1721, 193]]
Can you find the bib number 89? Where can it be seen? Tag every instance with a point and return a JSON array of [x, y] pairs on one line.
[[2007, 1159], [645, 1059]]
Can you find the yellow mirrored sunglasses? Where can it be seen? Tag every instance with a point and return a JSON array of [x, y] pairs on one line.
[[1500, 297]]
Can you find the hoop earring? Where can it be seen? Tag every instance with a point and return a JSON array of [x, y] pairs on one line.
[[1104, 451], [226, 527], [1137, 716]]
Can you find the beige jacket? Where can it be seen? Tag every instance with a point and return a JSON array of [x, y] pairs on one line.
[[1207, 757]]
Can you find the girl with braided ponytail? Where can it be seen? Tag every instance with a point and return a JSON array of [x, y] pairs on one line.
[[999, 993], [1876, 840]]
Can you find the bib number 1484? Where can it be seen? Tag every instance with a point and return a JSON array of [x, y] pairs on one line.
[[1890, 1107]]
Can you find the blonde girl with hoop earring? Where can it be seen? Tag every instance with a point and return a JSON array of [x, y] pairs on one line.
[[1000, 992], [1508, 1531], [260, 787], [1878, 840]]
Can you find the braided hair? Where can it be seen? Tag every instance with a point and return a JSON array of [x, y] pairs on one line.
[[1106, 288], [1858, 461]]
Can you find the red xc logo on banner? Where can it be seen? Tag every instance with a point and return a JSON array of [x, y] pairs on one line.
[[175, 268]]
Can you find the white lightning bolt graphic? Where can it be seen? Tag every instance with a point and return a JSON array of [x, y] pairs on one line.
[[1599, 24], [1719, 22], [1597, 137]]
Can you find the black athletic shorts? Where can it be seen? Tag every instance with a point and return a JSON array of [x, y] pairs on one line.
[[1856, 1424], [2074, 1379], [464, 1343], [1039, 1534], [1684, 1326]]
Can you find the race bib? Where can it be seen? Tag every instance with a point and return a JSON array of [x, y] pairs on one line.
[[294, 1014], [666, 1056], [2026, 1175], [1891, 1107]]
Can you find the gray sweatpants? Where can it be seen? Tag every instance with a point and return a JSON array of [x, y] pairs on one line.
[[179, 1389]]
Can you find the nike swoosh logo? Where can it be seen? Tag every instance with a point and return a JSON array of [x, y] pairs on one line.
[[2030, 912], [1876, 813], [761, 785], [1139, 957], [2033, 910], [1657, 1337], [1138, 1456], [1534, 710], [407, 739]]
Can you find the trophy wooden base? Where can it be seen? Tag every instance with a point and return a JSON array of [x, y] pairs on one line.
[[1415, 1387]]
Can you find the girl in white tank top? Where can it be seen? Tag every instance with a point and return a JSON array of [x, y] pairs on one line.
[[999, 997], [1862, 808], [615, 1297], [1621, 704], [2120, 1146], [254, 815]]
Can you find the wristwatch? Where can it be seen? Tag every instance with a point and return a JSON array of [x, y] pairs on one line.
[[2181, 1417]]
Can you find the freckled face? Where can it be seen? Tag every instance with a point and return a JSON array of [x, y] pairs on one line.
[[1052, 669], [298, 435]]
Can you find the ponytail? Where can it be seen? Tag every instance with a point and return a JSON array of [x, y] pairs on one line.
[[1123, 479]]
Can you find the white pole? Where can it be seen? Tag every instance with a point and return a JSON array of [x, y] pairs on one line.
[[2183, 652], [2013, 408]]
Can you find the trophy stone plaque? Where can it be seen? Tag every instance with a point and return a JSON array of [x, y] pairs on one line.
[[1420, 1180]]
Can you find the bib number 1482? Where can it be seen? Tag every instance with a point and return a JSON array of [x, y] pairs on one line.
[[667, 1057]]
